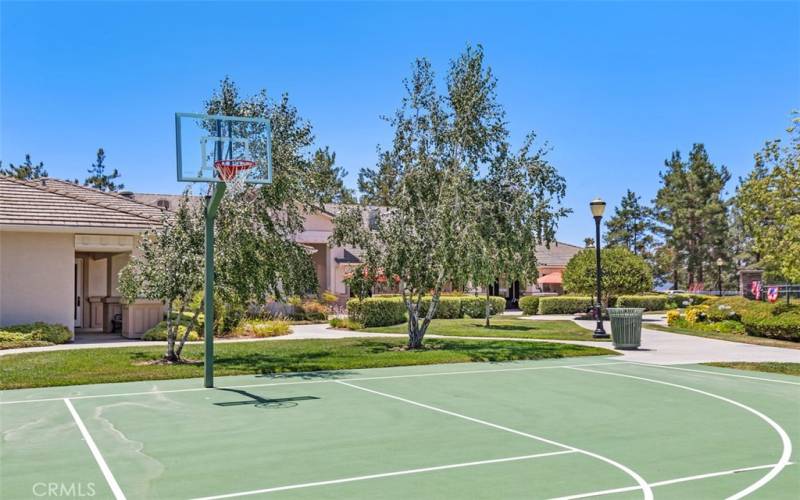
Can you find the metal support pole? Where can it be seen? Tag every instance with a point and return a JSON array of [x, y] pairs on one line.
[[212, 203], [719, 280], [599, 331]]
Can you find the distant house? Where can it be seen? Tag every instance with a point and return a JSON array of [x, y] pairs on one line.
[[551, 263], [61, 248]]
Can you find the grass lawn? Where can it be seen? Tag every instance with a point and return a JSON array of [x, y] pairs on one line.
[[124, 364], [769, 367], [500, 327], [733, 337]]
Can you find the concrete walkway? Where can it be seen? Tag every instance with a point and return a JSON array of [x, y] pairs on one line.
[[666, 348], [657, 347]]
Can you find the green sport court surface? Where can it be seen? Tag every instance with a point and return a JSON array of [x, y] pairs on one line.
[[568, 428]]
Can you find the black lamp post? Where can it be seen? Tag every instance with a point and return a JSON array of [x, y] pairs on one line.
[[720, 263], [598, 206]]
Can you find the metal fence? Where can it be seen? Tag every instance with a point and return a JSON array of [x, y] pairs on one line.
[[784, 292]]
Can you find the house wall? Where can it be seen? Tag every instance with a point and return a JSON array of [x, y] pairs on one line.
[[36, 277]]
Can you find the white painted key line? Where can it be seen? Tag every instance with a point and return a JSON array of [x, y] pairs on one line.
[[785, 441], [385, 474], [647, 491], [112, 482]]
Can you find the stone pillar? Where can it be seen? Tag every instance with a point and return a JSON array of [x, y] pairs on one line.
[[746, 279]]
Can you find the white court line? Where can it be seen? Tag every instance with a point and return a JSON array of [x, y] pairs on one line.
[[667, 482], [648, 493], [112, 483], [786, 442], [385, 474], [299, 382], [715, 373]]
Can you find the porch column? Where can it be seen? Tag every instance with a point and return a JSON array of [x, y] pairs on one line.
[[107, 307]]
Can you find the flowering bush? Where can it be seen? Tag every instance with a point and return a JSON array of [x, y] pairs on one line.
[[673, 317], [696, 314]]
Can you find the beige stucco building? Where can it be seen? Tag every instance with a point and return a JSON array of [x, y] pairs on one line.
[[61, 248]]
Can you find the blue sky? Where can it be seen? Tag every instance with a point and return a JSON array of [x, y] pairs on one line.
[[613, 87]]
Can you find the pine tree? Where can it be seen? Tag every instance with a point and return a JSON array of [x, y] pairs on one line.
[[693, 214], [25, 171], [631, 226], [98, 178], [329, 178], [377, 187]]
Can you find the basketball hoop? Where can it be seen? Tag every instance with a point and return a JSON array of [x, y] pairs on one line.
[[229, 169]]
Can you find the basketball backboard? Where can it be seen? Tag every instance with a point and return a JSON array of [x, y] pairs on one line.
[[205, 142]]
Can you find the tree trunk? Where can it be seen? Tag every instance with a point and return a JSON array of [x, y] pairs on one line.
[[417, 329], [488, 308], [191, 326], [172, 332]]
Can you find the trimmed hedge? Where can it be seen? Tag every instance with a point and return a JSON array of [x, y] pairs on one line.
[[368, 312], [498, 304], [377, 311], [529, 305], [648, 302], [774, 322], [564, 304], [695, 299], [39, 331], [449, 307]]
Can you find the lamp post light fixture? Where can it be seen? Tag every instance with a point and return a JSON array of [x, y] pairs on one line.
[[720, 263], [598, 206]]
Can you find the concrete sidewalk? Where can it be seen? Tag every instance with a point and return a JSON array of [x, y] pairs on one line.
[[666, 348]]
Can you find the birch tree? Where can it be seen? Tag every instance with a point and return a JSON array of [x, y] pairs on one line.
[[518, 210], [432, 232]]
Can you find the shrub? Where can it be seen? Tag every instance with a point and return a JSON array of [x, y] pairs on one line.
[[256, 328], [673, 317], [729, 308], [474, 307], [449, 307], [623, 273], [686, 299], [159, 332], [648, 302], [565, 304], [529, 305], [40, 331], [329, 298], [774, 322], [345, 323], [314, 311], [498, 304], [377, 311], [696, 314]]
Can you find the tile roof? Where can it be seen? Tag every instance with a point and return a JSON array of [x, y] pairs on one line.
[[53, 202], [557, 255]]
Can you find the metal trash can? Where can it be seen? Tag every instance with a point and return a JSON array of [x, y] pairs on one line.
[[626, 327]]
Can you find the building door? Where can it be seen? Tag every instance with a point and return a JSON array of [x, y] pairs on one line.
[[78, 293]]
